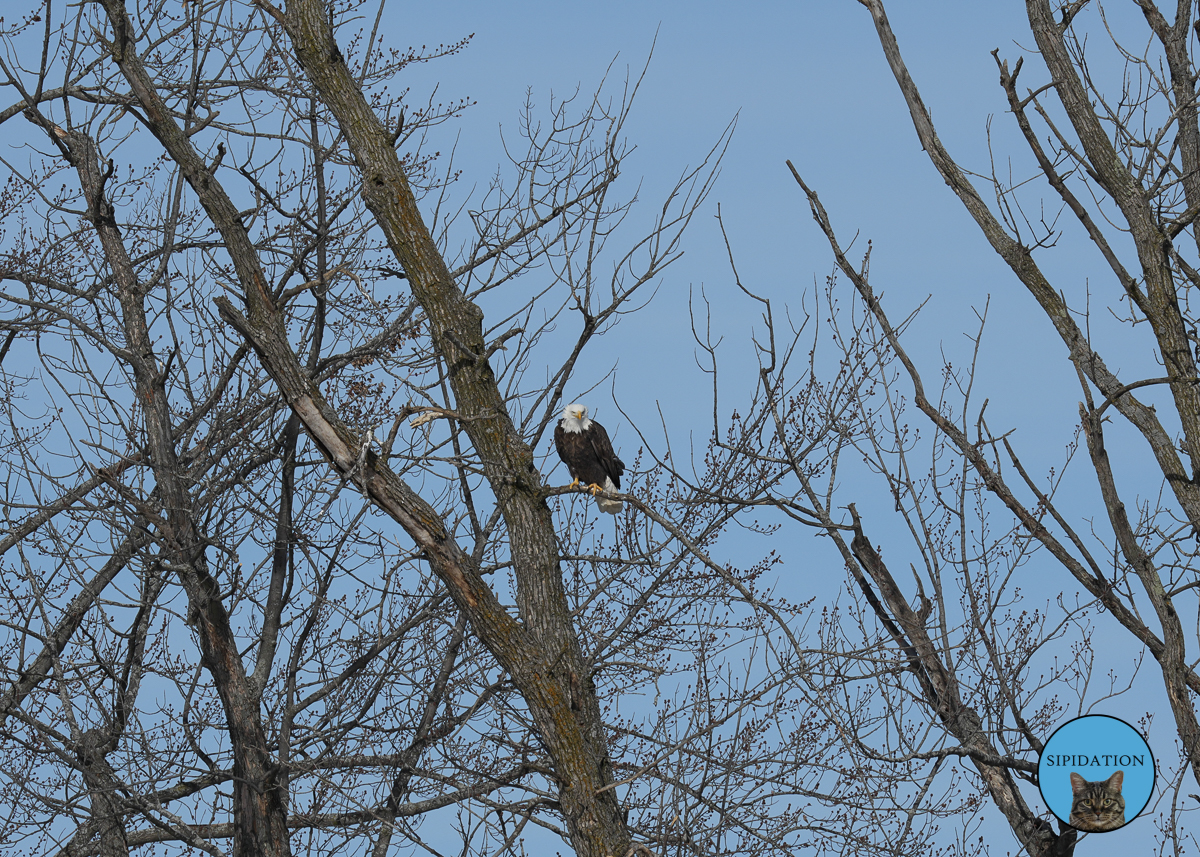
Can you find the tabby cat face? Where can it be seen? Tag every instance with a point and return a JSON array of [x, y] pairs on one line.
[[1097, 806]]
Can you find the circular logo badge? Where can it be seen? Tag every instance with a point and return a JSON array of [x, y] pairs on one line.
[[1096, 773]]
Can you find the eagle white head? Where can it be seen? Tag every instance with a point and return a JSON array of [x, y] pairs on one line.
[[575, 418]]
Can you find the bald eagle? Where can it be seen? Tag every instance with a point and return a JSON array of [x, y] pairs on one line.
[[584, 447]]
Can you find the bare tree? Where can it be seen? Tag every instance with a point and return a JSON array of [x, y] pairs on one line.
[[284, 572], [265, 511], [945, 675]]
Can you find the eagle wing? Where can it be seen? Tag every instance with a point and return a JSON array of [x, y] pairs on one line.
[[602, 446], [560, 445]]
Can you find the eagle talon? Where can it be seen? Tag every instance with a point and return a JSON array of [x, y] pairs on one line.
[[574, 483], [594, 488]]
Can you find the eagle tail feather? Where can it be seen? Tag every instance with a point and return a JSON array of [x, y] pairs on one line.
[[613, 507]]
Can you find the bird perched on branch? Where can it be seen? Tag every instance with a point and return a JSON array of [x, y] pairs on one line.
[[584, 447]]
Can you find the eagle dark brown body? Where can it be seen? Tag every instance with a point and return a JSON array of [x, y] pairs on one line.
[[585, 448]]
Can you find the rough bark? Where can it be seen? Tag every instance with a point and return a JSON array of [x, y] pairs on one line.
[[1172, 660], [542, 652], [1162, 309], [108, 822], [1174, 39]]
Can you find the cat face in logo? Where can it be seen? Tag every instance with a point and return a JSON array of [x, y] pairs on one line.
[[1098, 806]]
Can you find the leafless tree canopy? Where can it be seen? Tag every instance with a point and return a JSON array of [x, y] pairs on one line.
[[988, 674], [282, 574], [281, 571]]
